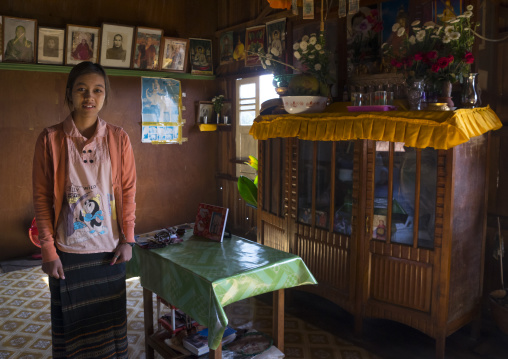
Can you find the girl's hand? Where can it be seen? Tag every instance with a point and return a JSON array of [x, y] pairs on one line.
[[54, 269], [123, 253]]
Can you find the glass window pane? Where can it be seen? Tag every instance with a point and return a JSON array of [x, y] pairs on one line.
[[247, 118], [379, 219], [247, 107], [266, 89], [305, 165], [248, 90], [323, 183], [248, 101], [428, 192], [404, 186], [344, 156]]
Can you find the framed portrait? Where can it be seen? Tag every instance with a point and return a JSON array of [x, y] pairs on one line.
[[116, 45], [1, 38], [204, 113], [146, 48], [226, 47], [276, 37], [19, 39], [226, 113], [50, 47], [82, 44], [201, 56], [239, 51], [174, 54], [254, 40]]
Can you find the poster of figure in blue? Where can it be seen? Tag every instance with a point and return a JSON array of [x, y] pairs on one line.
[[161, 110]]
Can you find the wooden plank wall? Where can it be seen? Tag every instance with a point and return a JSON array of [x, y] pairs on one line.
[[172, 179]]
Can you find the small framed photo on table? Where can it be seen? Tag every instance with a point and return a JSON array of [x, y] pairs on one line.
[[19, 39], [147, 44], [174, 54], [50, 49], [82, 44], [116, 45]]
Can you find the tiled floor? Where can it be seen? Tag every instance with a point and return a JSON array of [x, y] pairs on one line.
[[312, 321]]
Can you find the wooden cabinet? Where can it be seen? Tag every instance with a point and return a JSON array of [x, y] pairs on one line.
[[388, 231]]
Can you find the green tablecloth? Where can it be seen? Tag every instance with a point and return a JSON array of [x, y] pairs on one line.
[[200, 276]]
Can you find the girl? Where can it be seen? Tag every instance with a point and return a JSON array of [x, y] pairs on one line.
[[84, 184]]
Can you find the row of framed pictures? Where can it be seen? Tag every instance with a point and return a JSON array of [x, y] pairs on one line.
[[111, 45]]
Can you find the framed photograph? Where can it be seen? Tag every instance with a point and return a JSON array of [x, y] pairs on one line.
[[226, 113], [1, 38], [254, 40], [82, 44], [116, 45], [211, 222], [204, 113], [226, 47], [276, 38], [19, 39], [174, 54], [201, 56], [146, 48], [50, 47]]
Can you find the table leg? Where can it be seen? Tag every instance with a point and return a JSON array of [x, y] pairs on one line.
[[148, 308], [278, 319], [215, 354]]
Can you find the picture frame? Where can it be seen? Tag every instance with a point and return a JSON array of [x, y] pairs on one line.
[[226, 45], [225, 114], [211, 222], [204, 112], [201, 56], [116, 45], [254, 41], [81, 44], [174, 54], [1, 38], [147, 42], [51, 45], [19, 39]]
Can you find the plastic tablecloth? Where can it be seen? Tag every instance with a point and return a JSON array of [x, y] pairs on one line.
[[201, 276]]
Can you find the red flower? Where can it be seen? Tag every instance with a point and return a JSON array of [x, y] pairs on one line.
[[442, 62], [395, 63], [431, 55], [378, 27], [450, 59], [418, 56], [468, 58], [435, 67], [408, 61]]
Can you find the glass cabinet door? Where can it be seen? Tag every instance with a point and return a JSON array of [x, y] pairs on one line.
[[325, 184], [405, 184]]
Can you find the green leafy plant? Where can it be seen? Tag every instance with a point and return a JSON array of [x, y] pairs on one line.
[[218, 102], [248, 188]]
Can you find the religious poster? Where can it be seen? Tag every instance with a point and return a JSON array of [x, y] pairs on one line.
[[254, 41], [161, 111]]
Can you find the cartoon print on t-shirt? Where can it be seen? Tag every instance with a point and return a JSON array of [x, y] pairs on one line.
[[91, 216]]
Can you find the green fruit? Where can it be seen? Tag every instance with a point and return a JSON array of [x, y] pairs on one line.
[[303, 85]]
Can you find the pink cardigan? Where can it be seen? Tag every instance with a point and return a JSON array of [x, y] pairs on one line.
[[49, 181]]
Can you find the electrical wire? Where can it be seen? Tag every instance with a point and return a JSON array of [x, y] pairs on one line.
[[487, 39]]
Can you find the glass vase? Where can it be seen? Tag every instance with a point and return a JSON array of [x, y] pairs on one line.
[[470, 91], [446, 94], [414, 95]]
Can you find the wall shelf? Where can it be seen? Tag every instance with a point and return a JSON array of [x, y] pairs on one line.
[[110, 72]]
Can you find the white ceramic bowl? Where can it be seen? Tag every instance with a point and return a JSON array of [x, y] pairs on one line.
[[304, 104]]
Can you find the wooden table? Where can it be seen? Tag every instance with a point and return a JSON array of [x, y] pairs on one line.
[[200, 277]]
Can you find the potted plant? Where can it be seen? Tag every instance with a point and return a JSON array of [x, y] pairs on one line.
[[248, 188]]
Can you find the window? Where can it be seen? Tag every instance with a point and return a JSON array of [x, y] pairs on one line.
[[251, 93]]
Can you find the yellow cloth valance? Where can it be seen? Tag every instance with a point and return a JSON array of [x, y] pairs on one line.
[[421, 129]]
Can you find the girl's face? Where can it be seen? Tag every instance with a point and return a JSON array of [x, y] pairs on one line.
[[88, 94]]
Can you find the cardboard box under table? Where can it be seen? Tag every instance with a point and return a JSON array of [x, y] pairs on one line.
[[201, 277]]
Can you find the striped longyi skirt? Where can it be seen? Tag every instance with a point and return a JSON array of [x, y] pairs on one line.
[[88, 308]]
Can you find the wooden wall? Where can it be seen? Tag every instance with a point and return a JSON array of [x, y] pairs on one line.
[[172, 179]]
